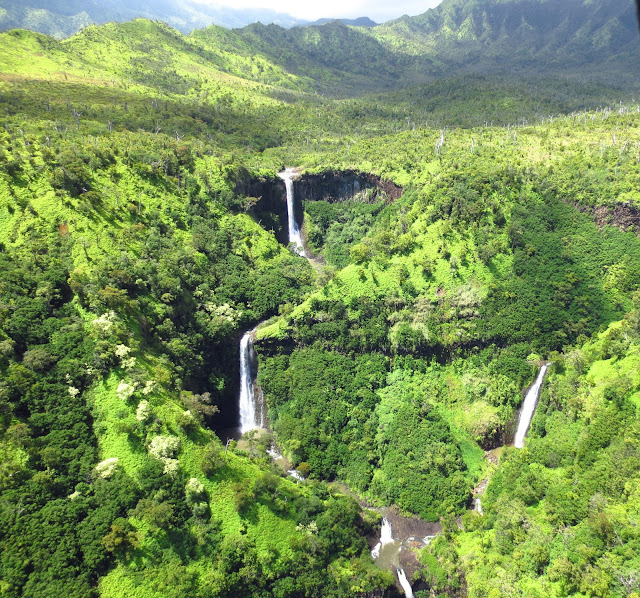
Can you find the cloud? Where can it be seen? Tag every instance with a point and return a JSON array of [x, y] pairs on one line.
[[378, 10]]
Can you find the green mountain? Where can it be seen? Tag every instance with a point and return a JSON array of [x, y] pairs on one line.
[[464, 225], [359, 22], [62, 19], [527, 35], [594, 41]]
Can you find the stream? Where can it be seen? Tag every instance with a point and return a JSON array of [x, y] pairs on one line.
[[412, 533]]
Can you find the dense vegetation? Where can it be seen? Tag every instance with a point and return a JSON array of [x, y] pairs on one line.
[[134, 255]]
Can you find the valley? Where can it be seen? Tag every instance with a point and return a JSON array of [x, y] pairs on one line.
[[351, 250]]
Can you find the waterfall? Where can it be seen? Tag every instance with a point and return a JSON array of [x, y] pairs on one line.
[[478, 505], [404, 582], [294, 232], [251, 410], [386, 537], [528, 407]]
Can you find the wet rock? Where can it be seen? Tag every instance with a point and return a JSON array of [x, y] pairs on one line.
[[411, 527], [409, 562], [342, 186]]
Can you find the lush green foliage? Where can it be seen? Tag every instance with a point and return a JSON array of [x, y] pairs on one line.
[[558, 515], [132, 262], [130, 269]]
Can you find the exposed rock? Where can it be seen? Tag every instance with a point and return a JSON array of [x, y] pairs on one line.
[[621, 215], [342, 186], [271, 208], [411, 527], [409, 562]]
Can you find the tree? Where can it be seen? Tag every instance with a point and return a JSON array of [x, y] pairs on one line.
[[122, 539]]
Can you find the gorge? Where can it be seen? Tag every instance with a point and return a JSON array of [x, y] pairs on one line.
[[460, 231]]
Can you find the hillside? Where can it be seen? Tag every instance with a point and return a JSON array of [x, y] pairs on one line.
[[146, 269], [62, 19], [593, 42], [523, 32], [464, 225]]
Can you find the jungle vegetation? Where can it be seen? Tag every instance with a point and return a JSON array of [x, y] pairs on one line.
[[134, 254]]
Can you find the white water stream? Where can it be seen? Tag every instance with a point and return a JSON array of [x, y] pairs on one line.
[[404, 582], [251, 412], [386, 537], [528, 408], [294, 231], [387, 551]]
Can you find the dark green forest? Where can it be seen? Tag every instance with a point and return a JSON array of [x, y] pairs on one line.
[[466, 222]]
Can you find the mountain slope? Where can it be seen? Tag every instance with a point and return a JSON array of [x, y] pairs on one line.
[[155, 56], [359, 22], [595, 41], [343, 60], [570, 32], [64, 18]]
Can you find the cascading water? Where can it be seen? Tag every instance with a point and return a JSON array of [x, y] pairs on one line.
[[404, 582], [528, 407], [294, 231], [251, 411], [386, 537]]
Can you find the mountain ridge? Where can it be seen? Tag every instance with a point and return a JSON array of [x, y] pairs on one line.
[[589, 42], [63, 19]]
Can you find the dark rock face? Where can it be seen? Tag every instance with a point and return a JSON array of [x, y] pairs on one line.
[[343, 186], [270, 209], [623, 216], [411, 527]]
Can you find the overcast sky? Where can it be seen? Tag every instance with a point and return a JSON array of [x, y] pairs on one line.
[[378, 10]]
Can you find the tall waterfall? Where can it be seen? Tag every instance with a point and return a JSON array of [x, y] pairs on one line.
[[404, 582], [528, 407], [251, 409], [386, 537], [294, 231]]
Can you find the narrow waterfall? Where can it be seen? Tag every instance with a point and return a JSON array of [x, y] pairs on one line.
[[404, 582], [251, 409], [478, 505], [294, 231], [386, 537], [528, 408]]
